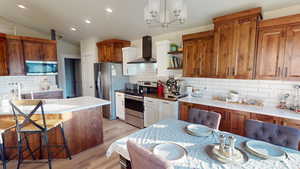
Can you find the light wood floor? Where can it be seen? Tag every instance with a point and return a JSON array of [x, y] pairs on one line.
[[93, 158]]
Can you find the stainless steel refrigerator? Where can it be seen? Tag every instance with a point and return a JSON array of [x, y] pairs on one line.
[[109, 78]]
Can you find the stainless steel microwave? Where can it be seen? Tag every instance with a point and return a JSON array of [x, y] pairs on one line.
[[35, 68]]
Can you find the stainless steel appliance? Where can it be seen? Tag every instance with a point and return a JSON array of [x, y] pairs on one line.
[[109, 78], [134, 101], [41, 68]]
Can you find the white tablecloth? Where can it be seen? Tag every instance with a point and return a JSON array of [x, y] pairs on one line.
[[173, 131]]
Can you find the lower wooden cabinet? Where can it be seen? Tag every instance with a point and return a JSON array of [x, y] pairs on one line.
[[45, 95], [233, 121], [237, 121]]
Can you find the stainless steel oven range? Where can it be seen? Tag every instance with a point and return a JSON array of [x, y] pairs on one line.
[[134, 110]]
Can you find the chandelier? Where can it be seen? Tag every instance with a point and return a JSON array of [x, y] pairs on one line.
[[165, 12]]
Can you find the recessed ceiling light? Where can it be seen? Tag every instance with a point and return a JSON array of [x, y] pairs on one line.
[[87, 21], [109, 10], [21, 6], [73, 29]]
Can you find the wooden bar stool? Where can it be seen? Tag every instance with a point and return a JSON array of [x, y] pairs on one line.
[[5, 125], [26, 125]]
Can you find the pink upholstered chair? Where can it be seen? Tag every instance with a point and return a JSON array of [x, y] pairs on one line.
[[142, 158]]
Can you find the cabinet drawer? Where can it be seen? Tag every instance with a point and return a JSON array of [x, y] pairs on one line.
[[135, 121], [45, 95], [135, 113]]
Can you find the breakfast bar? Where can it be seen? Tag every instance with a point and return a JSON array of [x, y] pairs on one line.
[[82, 122]]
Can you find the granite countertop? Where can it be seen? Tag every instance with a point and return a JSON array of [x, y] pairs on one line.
[[60, 106], [155, 96], [271, 111], [41, 91]]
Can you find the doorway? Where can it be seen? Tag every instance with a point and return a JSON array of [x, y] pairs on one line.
[[73, 77]]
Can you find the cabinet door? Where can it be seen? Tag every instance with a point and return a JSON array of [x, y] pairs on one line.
[[190, 53], [3, 57], [120, 105], [292, 53], [237, 122], [15, 57], [49, 52], [117, 53], [206, 66], [33, 50], [224, 48], [225, 118], [270, 54], [168, 110], [245, 39], [151, 112]]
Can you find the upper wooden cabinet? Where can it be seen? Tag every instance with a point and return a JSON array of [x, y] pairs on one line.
[[278, 55], [198, 60], [235, 42], [15, 55], [39, 49], [3, 56], [111, 50], [270, 53]]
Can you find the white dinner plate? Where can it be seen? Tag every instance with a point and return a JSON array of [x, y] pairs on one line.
[[264, 150], [199, 130], [169, 151]]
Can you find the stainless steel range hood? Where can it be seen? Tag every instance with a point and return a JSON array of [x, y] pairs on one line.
[[147, 52]]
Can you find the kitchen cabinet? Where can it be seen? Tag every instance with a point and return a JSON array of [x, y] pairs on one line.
[[151, 111], [235, 44], [15, 56], [189, 53], [49, 52], [3, 56], [45, 95], [198, 60], [111, 50], [234, 121], [39, 49], [266, 118], [270, 53], [120, 105], [129, 54], [237, 121], [278, 49], [159, 109]]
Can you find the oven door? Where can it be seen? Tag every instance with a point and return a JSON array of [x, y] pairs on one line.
[[135, 103]]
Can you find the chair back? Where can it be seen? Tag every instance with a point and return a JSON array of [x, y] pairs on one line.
[[24, 119], [272, 133], [141, 158], [203, 117]]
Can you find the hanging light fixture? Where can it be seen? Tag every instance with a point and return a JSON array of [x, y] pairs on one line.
[[165, 12]]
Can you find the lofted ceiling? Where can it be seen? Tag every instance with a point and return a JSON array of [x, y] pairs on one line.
[[125, 22]]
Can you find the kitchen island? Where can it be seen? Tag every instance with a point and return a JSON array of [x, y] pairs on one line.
[[83, 126]]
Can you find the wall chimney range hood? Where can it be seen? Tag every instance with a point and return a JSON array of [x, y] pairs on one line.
[[147, 52]]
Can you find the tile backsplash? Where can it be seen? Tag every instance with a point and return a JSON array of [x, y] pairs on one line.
[[267, 90], [29, 83]]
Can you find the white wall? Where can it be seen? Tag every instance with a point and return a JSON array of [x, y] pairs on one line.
[[64, 49], [268, 91]]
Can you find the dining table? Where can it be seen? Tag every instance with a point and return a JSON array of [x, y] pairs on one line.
[[196, 157]]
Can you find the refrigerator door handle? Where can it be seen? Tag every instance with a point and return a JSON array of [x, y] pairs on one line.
[[99, 85]]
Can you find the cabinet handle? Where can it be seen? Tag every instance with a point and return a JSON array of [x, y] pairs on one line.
[[149, 101], [286, 72], [165, 102], [277, 71], [233, 71], [227, 71]]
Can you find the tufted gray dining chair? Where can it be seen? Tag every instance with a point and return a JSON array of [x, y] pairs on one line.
[[142, 158], [272, 133], [207, 118]]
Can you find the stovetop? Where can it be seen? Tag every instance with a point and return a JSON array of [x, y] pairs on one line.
[[133, 92]]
